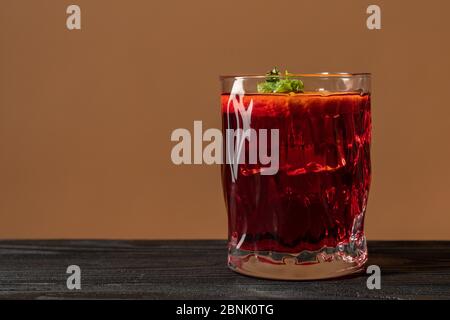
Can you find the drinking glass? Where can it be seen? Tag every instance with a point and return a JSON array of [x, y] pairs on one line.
[[296, 175]]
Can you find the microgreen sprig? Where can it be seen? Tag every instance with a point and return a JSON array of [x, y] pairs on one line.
[[275, 83]]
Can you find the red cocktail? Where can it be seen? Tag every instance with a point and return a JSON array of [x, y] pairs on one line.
[[305, 220]]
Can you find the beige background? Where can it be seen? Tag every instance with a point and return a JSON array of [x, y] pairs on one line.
[[86, 116]]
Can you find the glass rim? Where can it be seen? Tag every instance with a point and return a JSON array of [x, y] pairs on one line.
[[301, 75]]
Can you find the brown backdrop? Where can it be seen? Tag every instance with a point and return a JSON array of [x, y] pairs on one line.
[[86, 116]]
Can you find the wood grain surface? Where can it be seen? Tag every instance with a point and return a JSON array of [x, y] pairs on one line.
[[196, 269]]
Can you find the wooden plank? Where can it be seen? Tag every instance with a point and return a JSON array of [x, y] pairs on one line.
[[196, 269]]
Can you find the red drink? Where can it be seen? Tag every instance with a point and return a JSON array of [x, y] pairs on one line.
[[312, 210]]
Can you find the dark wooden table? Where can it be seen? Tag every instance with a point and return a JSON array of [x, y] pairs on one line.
[[197, 270]]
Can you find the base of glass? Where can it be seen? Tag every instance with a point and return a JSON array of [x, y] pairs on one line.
[[307, 265]]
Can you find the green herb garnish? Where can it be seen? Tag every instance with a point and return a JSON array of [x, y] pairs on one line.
[[275, 83]]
